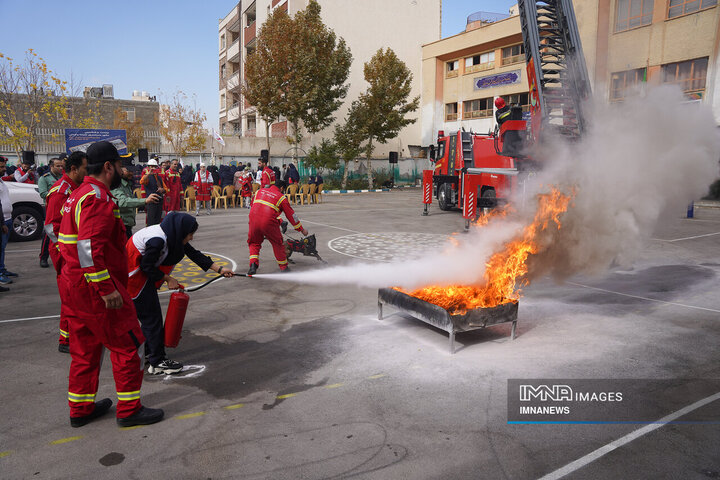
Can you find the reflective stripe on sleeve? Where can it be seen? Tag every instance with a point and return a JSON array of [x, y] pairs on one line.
[[50, 233], [67, 238], [97, 276], [84, 249]]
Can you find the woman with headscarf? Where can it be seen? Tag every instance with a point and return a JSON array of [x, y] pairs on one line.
[[152, 254]]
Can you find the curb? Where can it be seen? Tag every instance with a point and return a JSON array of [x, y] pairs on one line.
[[367, 190]]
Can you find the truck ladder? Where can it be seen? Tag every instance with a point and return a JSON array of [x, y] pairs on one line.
[[551, 38]]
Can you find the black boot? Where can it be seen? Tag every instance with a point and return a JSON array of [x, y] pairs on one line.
[[63, 348], [44, 263], [144, 416], [101, 408], [253, 269]]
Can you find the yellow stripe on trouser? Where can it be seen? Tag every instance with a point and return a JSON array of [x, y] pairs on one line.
[[63, 333], [282, 262], [81, 397], [97, 276], [254, 256], [127, 396]]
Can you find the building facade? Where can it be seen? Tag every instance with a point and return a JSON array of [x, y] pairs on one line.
[[403, 26], [626, 43]]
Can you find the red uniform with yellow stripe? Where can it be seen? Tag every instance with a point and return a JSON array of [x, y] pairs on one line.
[[92, 243], [265, 223], [54, 201]]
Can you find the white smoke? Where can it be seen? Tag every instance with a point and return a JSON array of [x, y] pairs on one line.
[[639, 161]]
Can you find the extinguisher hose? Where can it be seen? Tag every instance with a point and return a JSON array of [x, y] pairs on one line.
[[198, 287]]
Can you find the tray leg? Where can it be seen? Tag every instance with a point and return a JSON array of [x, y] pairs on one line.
[[452, 342], [380, 314], [512, 333]]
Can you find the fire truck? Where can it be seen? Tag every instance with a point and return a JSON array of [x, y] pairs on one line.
[[475, 171]]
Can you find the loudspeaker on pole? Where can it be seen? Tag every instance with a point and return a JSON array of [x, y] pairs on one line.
[[393, 157], [265, 155], [28, 157]]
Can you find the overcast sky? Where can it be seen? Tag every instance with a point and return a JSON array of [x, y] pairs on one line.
[[158, 46]]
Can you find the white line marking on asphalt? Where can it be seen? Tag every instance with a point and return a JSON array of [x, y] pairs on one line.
[[36, 250], [592, 456], [687, 238], [644, 298], [29, 318], [330, 226]]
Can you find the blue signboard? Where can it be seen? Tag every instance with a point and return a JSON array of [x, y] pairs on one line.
[[81, 138], [507, 78]]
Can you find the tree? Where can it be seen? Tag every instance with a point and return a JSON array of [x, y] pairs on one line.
[[383, 108], [182, 126], [31, 96], [298, 71], [348, 138], [323, 156], [134, 130]]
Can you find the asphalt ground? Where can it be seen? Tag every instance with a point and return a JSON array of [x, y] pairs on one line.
[[289, 381]]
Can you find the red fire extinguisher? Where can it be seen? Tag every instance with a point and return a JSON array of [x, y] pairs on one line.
[[175, 317]]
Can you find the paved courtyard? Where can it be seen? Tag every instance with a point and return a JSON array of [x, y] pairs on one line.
[[288, 381]]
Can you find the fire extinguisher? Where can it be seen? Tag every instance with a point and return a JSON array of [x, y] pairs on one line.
[[175, 317]]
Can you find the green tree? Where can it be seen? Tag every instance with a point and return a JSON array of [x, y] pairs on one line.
[[300, 71], [348, 138], [323, 156], [383, 108], [31, 97], [182, 125]]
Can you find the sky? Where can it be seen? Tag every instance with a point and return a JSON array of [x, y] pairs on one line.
[[159, 46]]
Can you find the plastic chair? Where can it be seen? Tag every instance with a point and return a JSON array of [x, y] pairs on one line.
[[227, 193], [137, 192], [291, 192], [304, 193], [317, 198], [255, 188], [312, 194], [189, 198]]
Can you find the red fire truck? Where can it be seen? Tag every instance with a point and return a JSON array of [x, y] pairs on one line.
[[474, 170]]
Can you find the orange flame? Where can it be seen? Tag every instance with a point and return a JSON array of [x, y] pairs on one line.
[[505, 269]]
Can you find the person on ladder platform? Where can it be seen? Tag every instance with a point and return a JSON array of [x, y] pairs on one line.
[[92, 244], [152, 254], [75, 171], [265, 223], [503, 111]]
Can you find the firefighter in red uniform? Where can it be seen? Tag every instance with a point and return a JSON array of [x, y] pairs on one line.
[[268, 175], [92, 243], [75, 171], [174, 185], [265, 223], [203, 184]]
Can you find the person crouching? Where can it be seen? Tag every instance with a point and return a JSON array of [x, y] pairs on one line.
[[152, 254]]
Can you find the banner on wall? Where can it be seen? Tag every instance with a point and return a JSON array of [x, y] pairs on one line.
[[81, 138], [497, 80]]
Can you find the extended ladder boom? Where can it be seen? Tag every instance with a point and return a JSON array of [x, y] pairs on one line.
[[555, 57]]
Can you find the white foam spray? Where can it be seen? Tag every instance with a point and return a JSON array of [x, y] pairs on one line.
[[638, 161]]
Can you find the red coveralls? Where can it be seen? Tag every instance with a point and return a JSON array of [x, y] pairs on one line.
[[267, 177], [54, 201], [203, 186], [265, 223], [174, 193], [92, 243]]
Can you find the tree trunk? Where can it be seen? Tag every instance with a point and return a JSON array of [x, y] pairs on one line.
[[267, 136], [343, 185], [368, 153]]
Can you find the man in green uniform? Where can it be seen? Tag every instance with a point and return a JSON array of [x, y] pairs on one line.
[[127, 202]]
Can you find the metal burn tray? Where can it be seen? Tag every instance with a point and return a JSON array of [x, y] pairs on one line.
[[439, 317]]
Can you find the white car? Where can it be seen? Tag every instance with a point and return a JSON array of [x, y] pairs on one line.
[[28, 215]]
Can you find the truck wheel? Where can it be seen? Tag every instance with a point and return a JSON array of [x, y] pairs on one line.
[[489, 193], [27, 224], [444, 195]]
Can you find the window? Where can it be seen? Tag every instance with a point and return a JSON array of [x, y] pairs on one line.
[[451, 112], [689, 75], [251, 127], [681, 7], [223, 103], [483, 61], [479, 108], [633, 13], [223, 71], [129, 113], [514, 54], [451, 68], [622, 82], [222, 42], [522, 99]]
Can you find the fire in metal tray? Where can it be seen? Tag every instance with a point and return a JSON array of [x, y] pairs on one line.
[[443, 319]]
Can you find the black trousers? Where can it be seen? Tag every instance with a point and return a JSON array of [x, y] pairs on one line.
[[149, 313], [154, 213], [128, 231], [44, 247]]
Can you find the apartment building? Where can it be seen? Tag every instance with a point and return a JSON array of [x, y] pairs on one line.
[[626, 43], [366, 27]]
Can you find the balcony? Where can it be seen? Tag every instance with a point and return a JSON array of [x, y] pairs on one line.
[[480, 67], [451, 117], [513, 59], [233, 82], [469, 115], [451, 74], [249, 33], [233, 112], [233, 51]]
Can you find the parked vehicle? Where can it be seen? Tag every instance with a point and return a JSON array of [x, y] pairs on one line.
[[28, 213]]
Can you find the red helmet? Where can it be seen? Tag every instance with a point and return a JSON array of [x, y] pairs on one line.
[[499, 102]]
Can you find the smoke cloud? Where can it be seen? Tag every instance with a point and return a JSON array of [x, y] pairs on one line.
[[639, 161]]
